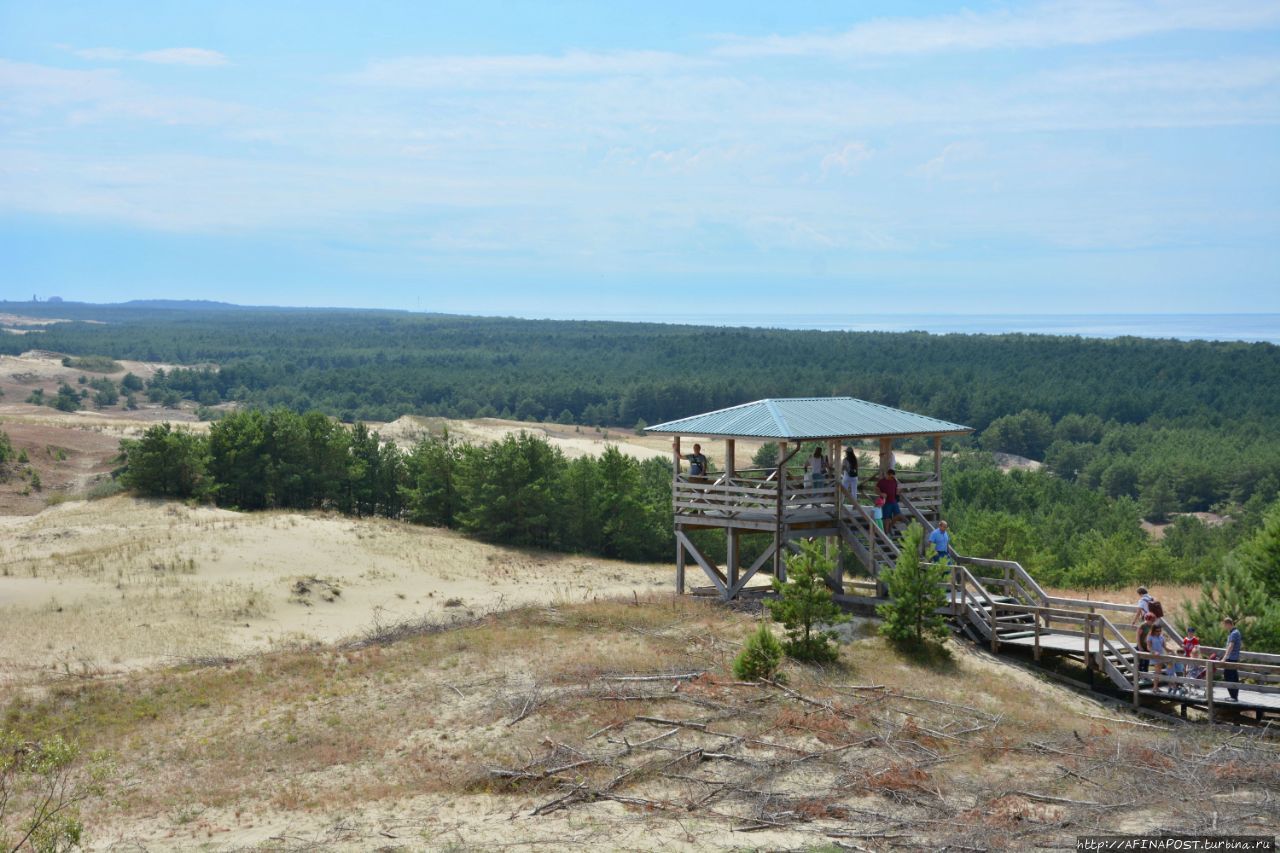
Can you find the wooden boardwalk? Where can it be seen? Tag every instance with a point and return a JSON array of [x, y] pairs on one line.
[[997, 602], [1190, 692], [994, 601]]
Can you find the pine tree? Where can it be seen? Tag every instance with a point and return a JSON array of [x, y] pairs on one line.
[[760, 657], [806, 605], [1245, 590], [1260, 554], [916, 593]]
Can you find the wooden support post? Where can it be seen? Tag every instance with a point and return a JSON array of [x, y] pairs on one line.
[[937, 460], [1137, 680], [1088, 629], [679, 565], [779, 566], [731, 533], [886, 450], [956, 605], [1208, 688], [675, 479], [731, 556], [1036, 653], [833, 541]]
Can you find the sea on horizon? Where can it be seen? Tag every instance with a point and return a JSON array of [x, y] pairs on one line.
[[1251, 328]]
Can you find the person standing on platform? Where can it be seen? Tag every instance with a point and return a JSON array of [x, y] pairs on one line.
[[849, 472], [697, 462], [816, 469], [1231, 654]]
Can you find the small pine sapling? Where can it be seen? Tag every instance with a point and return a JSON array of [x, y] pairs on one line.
[[760, 657], [916, 592], [805, 606]]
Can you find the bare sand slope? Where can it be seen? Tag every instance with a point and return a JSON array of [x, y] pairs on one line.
[[114, 584], [573, 441]]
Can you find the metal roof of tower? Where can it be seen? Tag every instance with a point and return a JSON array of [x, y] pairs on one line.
[[805, 418]]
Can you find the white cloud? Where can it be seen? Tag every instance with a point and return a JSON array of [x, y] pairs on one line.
[[80, 97], [952, 155], [459, 71], [1064, 22], [196, 56], [847, 160], [1182, 76], [35, 87]]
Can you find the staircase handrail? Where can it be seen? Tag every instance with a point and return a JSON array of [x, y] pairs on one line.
[[1032, 590], [877, 533], [1092, 606], [1107, 625], [989, 615]]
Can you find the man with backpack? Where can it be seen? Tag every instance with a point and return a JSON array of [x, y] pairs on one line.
[[1147, 605]]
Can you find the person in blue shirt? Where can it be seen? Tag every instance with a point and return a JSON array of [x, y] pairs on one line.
[[940, 539], [1235, 644]]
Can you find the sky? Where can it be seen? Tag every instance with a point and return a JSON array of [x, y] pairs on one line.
[[645, 158]]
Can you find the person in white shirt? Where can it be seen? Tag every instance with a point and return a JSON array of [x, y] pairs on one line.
[[816, 469], [849, 471]]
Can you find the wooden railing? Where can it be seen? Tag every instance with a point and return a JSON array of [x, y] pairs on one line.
[[726, 495]]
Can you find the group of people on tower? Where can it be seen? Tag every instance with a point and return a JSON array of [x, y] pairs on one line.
[[887, 510]]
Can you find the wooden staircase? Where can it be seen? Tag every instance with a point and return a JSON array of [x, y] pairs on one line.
[[997, 603]]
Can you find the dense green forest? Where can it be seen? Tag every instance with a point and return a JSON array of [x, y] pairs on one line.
[[1177, 426], [523, 491], [518, 491]]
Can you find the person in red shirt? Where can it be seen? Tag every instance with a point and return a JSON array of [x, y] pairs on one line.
[[888, 489], [1191, 644]]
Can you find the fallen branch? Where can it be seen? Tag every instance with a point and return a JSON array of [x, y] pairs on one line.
[[679, 677], [1044, 798]]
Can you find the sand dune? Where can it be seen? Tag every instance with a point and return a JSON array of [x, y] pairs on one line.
[[100, 586]]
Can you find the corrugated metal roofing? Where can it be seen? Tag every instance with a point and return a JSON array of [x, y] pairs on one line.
[[804, 418]]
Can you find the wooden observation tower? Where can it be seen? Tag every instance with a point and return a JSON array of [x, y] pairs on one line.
[[773, 507]]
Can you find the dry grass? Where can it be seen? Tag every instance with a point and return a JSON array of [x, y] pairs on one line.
[[459, 735], [1170, 596]]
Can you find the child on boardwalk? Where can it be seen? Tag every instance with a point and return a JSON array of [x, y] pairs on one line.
[[1156, 645]]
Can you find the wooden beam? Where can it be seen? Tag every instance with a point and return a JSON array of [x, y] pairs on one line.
[[779, 567], [675, 454], [730, 459], [717, 577], [1208, 688], [750, 573], [731, 556], [886, 450], [679, 564], [937, 458]]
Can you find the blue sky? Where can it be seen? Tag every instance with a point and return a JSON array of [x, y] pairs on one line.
[[575, 159]]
